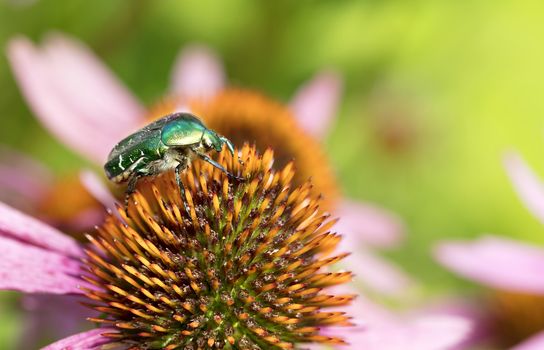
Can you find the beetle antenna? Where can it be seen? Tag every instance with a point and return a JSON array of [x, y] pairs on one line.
[[228, 143], [231, 148]]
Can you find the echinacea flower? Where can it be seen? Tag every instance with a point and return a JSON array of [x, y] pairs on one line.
[[77, 98], [246, 269], [512, 269]]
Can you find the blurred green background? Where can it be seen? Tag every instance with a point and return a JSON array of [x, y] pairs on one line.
[[435, 93]]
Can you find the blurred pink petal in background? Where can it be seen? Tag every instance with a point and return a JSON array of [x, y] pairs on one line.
[[198, 72], [497, 262], [534, 343], [527, 184], [369, 224], [380, 329], [315, 104], [74, 95], [502, 263], [429, 333]]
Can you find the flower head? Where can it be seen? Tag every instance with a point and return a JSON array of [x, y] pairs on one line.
[[245, 268]]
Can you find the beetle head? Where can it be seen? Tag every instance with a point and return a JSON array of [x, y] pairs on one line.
[[212, 140]]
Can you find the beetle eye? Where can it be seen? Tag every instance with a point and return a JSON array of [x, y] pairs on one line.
[[211, 141], [205, 141], [208, 143]]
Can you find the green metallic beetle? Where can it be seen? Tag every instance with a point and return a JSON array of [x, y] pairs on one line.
[[168, 143]]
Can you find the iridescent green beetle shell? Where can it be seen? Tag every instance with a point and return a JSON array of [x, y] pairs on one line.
[[183, 132], [150, 143]]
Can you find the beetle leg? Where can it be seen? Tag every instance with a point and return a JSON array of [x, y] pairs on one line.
[[219, 166], [132, 184], [177, 171], [131, 188]]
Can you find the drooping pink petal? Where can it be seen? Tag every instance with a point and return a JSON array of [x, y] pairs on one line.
[[534, 343], [96, 187], [527, 184], [50, 316], [470, 310], [362, 223], [496, 262], [197, 73], [375, 272], [430, 333], [74, 95], [377, 328], [90, 340], [81, 68], [19, 226], [31, 269], [315, 104]]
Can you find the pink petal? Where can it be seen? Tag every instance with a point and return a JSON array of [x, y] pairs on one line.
[[197, 73], [468, 309], [315, 104], [33, 270], [534, 343], [496, 262], [96, 187], [362, 223], [50, 316], [375, 272], [80, 67], [90, 340], [430, 333], [74, 95], [528, 186], [377, 328], [14, 224]]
